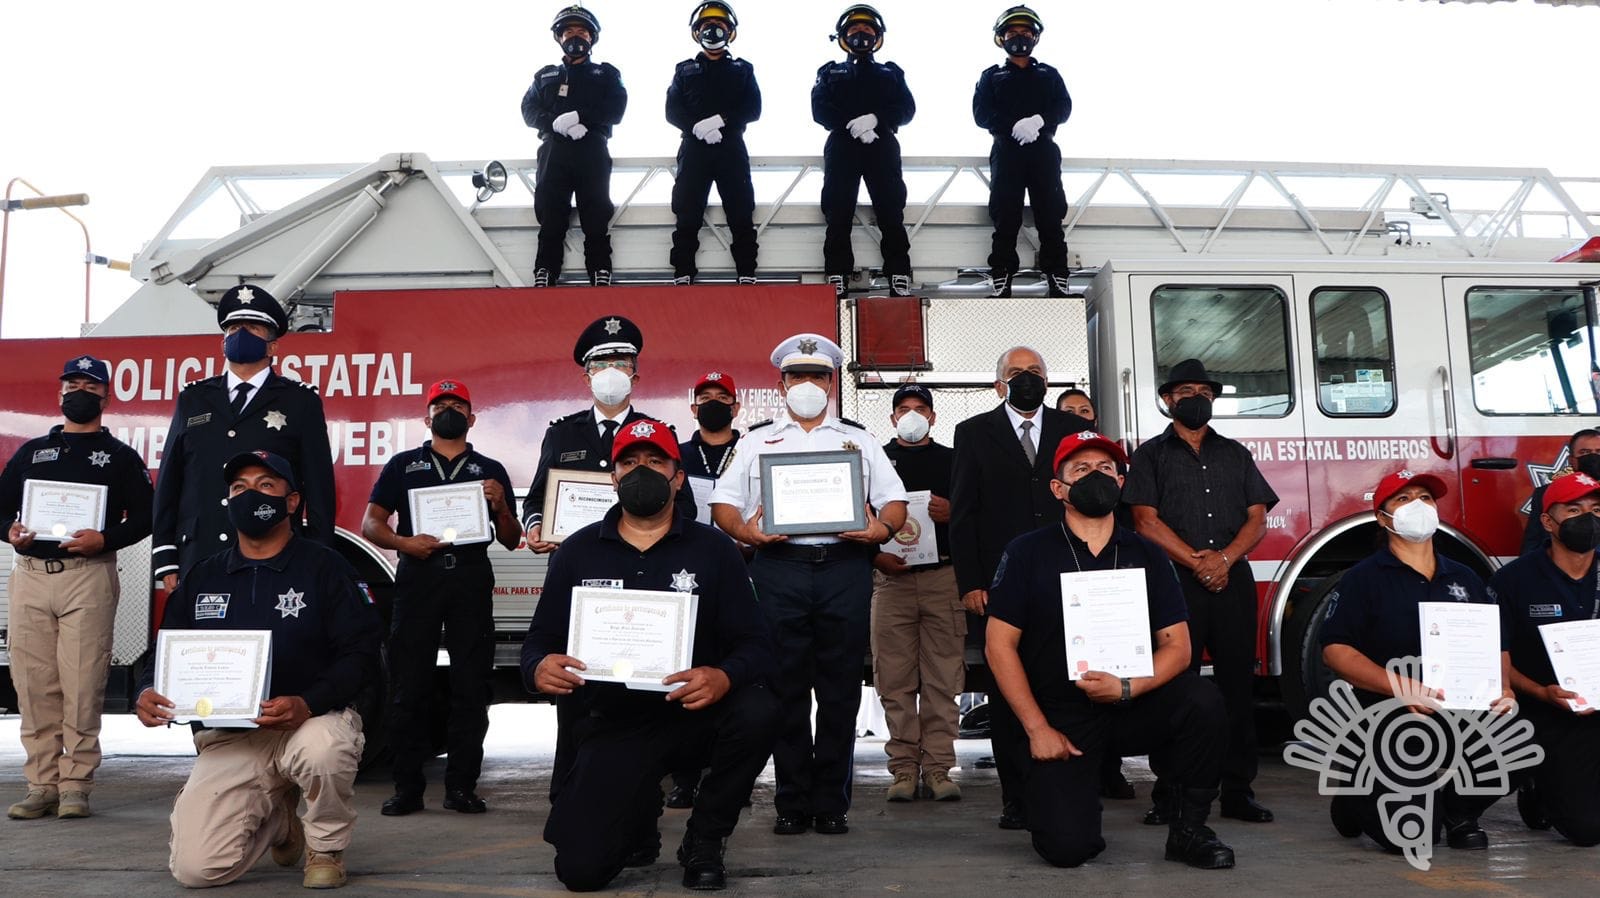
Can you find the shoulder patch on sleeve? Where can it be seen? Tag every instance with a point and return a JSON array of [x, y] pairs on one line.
[[689, 67], [894, 67], [546, 73]]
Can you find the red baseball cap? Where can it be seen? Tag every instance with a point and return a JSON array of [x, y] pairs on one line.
[[449, 387], [716, 379], [1073, 443], [1399, 480], [1569, 488], [645, 430]]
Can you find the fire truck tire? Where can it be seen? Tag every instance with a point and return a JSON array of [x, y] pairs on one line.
[[8, 693], [1305, 676], [373, 706]]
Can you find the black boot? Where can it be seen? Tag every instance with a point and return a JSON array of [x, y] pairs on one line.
[[1189, 839], [701, 858], [1163, 805]]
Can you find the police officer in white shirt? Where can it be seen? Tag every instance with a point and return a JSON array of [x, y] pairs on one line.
[[816, 589]]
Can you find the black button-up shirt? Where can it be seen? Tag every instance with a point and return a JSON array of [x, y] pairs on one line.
[[1204, 496], [703, 87], [857, 86], [1007, 93], [97, 458], [1533, 592], [421, 468], [591, 89]]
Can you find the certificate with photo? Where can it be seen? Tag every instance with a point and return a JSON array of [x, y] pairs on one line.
[[812, 492], [218, 678], [635, 637], [54, 510], [916, 542], [1106, 620], [455, 513], [1574, 650], [573, 500], [1461, 653]]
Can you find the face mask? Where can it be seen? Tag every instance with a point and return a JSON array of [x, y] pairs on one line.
[[1415, 522], [1025, 391], [82, 406], [610, 386], [255, 513], [1020, 44], [911, 427], [861, 42], [243, 347], [644, 491], [1588, 464], [449, 424], [714, 416], [1193, 412], [806, 400], [575, 47], [1580, 533], [1095, 495], [713, 36]]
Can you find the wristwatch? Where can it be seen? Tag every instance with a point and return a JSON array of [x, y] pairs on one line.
[[1127, 691]]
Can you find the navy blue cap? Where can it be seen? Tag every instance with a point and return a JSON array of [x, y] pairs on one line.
[[611, 335], [87, 366], [259, 458], [246, 303], [916, 390]]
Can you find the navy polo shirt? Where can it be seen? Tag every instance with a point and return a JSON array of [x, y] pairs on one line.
[[1533, 592], [421, 468], [97, 458], [1374, 608], [1027, 595], [730, 631]]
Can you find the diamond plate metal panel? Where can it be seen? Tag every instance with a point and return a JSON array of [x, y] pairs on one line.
[[130, 633]]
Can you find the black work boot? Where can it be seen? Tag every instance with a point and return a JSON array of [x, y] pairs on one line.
[[701, 858], [1189, 839]]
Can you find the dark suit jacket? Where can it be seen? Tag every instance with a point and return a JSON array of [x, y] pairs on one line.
[[573, 442], [995, 495]]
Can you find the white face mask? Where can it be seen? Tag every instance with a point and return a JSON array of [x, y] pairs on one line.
[[610, 386], [1416, 521], [806, 400], [911, 427]]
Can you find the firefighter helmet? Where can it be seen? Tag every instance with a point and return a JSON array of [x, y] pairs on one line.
[[860, 12], [714, 10], [1017, 15], [579, 15]]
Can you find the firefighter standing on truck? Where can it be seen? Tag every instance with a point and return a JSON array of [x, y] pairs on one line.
[[863, 103], [711, 99], [441, 582], [247, 407], [574, 105], [64, 591], [1021, 102]]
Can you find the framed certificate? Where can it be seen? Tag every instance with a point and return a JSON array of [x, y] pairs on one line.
[[1461, 653], [1106, 618], [632, 636], [916, 542], [573, 500], [1574, 650], [454, 513], [812, 492], [215, 677], [55, 510]]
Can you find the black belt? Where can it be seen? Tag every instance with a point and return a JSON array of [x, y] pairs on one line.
[[820, 553], [449, 560], [57, 565]]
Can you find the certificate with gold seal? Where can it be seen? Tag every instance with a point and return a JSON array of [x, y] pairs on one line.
[[454, 513], [632, 636], [214, 677], [54, 510]]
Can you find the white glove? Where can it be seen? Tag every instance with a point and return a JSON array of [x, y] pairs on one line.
[[713, 137], [867, 136], [706, 126], [576, 132], [1026, 131], [564, 122], [862, 124]]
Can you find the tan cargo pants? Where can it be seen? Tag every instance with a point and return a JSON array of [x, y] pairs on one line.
[[235, 805], [919, 629], [60, 648]]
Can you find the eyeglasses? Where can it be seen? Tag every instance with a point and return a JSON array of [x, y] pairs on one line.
[[603, 364], [1187, 390]]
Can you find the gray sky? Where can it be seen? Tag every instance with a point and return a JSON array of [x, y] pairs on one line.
[[132, 102]]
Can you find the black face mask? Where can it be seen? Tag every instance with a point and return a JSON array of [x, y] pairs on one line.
[[1025, 391], [449, 424], [1095, 495], [644, 491], [1020, 44], [82, 406], [1193, 412], [1580, 533], [861, 43], [254, 513], [713, 36], [1588, 464], [716, 416], [575, 47]]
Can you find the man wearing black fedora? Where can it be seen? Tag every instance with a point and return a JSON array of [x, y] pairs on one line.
[[1199, 496]]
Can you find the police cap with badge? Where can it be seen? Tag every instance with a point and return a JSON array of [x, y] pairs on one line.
[[246, 304], [810, 353], [87, 366], [608, 336]]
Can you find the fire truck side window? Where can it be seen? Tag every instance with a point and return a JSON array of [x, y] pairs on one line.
[[1532, 350], [1241, 333], [1355, 364]]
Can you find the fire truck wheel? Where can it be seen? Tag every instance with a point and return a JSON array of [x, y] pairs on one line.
[[1305, 676], [373, 705]]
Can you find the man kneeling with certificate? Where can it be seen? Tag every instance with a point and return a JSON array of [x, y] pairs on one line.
[[243, 796], [1089, 643], [683, 676]]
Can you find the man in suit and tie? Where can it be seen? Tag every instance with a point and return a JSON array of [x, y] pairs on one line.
[[1000, 489]]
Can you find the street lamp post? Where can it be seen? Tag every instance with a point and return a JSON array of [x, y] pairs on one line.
[[42, 201]]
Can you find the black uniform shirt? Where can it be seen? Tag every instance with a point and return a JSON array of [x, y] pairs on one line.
[[703, 87], [592, 89], [574, 443], [1007, 93], [82, 458], [925, 468], [1027, 595], [850, 89], [1204, 497], [325, 632], [1533, 592], [705, 460], [731, 633], [421, 468]]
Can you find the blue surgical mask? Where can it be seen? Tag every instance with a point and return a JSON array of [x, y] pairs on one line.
[[244, 347]]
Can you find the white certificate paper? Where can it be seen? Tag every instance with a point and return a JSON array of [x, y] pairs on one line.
[[916, 542], [1106, 617], [575, 505], [632, 636], [54, 510], [215, 677], [1461, 653], [1574, 649], [702, 487], [812, 494], [455, 513]]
